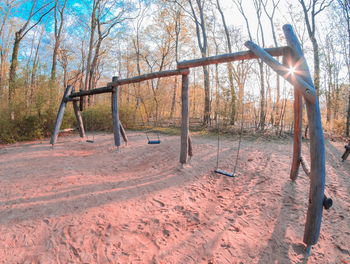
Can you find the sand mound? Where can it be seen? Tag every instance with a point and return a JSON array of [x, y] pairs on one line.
[[86, 203]]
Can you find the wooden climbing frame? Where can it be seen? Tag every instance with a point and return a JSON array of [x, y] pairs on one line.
[[293, 57]]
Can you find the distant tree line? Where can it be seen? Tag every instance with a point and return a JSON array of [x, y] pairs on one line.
[[46, 45]]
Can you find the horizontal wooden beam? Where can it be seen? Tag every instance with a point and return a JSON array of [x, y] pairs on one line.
[[74, 99], [242, 55], [150, 76], [107, 89]]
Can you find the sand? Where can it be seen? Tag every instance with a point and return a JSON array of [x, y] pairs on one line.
[[86, 203]]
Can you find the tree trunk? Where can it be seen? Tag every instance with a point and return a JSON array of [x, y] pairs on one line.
[[229, 67], [173, 101], [91, 47], [316, 65], [206, 119], [262, 96], [12, 75], [233, 94], [348, 116]]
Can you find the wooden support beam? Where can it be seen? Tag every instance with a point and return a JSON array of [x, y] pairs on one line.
[[115, 114], [184, 119], [80, 94], [149, 76], [327, 201], [69, 99], [190, 151], [297, 138], [288, 61], [60, 114], [81, 103], [346, 153], [242, 55], [123, 133], [79, 119], [305, 88], [317, 149], [109, 87]]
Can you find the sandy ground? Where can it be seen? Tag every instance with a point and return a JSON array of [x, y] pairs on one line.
[[85, 203]]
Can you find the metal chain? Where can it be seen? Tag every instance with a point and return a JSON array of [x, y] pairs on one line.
[[218, 128], [240, 140]]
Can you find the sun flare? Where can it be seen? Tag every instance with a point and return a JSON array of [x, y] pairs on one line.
[[291, 70]]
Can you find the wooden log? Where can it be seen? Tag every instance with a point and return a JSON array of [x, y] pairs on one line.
[[79, 119], [305, 88], [149, 76], [297, 138], [327, 201], [298, 120], [305, 166], [80, 94], [242, 55], [67, 130], [287, 61], [347, 152], [122, 132], [317, 149], [190, 151], [60, 115], [77, 99], [184, 119], [115, 115]]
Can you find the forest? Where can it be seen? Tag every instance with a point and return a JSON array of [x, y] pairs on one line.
[[47, 45]]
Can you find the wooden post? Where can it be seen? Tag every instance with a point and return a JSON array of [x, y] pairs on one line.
[[60, 114], [184, 119], [317, 149], [297, 124], [347, 152], [79, 119], [298, 120], [115, 113], [297, 139], [122, 132]]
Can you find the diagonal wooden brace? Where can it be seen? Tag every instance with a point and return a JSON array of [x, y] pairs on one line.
[[307, 91]]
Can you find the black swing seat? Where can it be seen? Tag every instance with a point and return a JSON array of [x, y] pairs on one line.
[[89, 141], [224, 173], [154, 141]]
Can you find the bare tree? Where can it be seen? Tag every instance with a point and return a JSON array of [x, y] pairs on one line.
[[32, 86], [229, 66], [174, 32], [197, 14], [260, 38], [104, 22], [274, 4], [345, 6], [137, 46], [5, 10], [311, 10], [57, 34], [19, 35]]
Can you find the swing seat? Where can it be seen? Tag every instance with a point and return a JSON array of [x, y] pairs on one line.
[[89, 141], [224, 173], [154, 141]]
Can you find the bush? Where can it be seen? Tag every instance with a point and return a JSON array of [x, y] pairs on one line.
[[40, 125], [22, 128], [98, 117]]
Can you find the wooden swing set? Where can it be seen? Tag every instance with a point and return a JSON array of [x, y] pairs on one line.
[[294, 69]]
